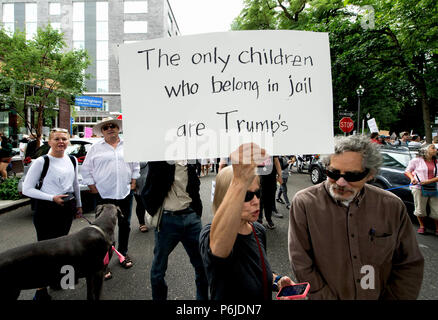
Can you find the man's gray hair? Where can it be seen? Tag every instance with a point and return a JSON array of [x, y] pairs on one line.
[[371, 157]]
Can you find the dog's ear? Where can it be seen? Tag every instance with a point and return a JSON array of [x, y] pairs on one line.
[[99, 210], [119, 212]]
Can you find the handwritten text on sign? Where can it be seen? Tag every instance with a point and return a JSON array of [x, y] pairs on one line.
[[201, 96]]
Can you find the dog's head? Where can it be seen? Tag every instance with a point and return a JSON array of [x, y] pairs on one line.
[[108, 207]]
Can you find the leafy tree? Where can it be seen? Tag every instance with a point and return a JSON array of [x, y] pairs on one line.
[[34, 73], [393, 54]]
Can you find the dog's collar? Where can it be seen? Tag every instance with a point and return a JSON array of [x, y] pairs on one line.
[[102, 232]]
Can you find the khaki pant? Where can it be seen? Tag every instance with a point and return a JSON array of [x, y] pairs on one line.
[[420, 203]]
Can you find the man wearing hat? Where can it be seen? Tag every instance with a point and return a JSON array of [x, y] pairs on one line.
[[111, 178]]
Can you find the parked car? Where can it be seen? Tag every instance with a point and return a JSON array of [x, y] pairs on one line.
[[390, 176], [78, 148]]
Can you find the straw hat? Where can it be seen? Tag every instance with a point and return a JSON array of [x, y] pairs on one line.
[[97, 129]]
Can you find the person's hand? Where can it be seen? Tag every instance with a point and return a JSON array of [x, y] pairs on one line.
[[244, 161], [283, 282], [280, 180], [93, 188], [58, 199], [414, 180], [133, 184], [79, 212]]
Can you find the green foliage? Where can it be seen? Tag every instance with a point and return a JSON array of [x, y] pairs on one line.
[[390, 47], [36, 72], [8, 189]]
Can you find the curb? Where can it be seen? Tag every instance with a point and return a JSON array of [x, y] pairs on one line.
[[14, 205]]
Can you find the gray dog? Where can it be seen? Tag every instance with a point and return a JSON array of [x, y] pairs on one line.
[[39, 264]]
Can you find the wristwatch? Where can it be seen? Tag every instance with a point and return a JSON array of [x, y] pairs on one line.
[[275, 284]]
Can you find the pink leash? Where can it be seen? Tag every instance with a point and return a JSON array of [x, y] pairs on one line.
[[106, 259]]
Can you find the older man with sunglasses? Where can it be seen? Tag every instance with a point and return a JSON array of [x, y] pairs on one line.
[[352, 240], [111, 178]]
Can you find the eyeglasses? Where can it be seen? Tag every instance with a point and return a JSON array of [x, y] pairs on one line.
[[250, 195], [348, 176], [109, 126], [59, 130]]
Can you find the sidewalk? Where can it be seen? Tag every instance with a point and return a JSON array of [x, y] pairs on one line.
[[8, 205]]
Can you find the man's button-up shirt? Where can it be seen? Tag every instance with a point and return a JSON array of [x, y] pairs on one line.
[[367, 250], [104, 166]]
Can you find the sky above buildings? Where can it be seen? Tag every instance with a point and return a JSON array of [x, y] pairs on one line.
[[203, 16]]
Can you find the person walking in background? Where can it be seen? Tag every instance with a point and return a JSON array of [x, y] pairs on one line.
[[112, 179], [269, 174], [171, 196], [233, 246], [5, 155], [282, 191], [404, 141], [58, 197], [422, 171], [140, 210], [23, 145], [349, 239]]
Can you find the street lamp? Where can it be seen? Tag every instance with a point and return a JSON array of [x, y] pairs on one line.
[[359, 92]]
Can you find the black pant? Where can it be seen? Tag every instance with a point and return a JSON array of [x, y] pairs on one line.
[[52, 220], [267, 198], [140, 210], [124, 222]]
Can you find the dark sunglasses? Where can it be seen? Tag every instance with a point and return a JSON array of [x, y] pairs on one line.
[[348, 176], [109, 126], [250, 195]]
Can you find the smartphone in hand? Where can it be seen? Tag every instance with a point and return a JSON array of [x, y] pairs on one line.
[[68, 197], [294, 292]]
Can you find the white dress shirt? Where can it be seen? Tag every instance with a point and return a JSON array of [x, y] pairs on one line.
[[105, 167], [61, 178]]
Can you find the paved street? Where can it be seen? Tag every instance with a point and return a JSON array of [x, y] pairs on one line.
[[133, 284]]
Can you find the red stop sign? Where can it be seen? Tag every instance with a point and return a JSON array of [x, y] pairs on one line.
[[346, 124]]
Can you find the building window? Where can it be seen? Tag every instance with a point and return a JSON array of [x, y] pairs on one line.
[[54, 8], [56, 26], [31, 20], [8, 17], [78, 25], [136, 6], [101, 50], [136, 27], [102, 74], [101, 30], [102, 85]]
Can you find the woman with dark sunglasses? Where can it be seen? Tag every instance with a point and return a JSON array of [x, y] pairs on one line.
[[233, 246]]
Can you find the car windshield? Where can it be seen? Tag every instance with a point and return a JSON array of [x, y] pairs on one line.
[[397, 160]]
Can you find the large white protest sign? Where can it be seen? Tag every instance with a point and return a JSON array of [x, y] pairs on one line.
[[202, 96]]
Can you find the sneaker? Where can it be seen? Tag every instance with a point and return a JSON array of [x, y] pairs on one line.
[[42, 295], [277, 214], [270, 225], [288, 206], [279, 200], [421, 230]]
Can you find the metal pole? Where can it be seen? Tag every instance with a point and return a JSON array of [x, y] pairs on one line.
[[358, 114]]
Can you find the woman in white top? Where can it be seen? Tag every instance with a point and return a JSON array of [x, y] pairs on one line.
[[58, 199]]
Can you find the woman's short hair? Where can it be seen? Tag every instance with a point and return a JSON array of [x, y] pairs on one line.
[[223, 181], [371, 157], [423, 151], [62, 130]]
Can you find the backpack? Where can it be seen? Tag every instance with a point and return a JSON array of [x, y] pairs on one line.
[[46, 167]]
